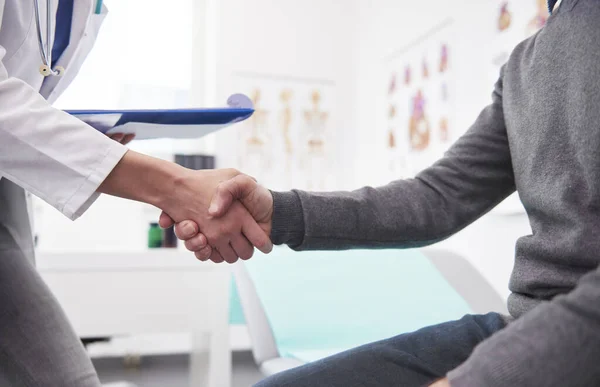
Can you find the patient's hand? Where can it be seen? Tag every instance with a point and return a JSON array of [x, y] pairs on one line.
[[223, 238], [255, 198]]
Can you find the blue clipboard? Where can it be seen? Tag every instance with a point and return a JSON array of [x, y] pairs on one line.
[[172, 123]]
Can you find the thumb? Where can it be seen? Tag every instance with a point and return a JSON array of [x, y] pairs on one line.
[[228, 191], [165, 220]]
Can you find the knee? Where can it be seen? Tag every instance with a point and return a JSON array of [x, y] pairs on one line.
[[273, 381], [290, 378], [264, 383]]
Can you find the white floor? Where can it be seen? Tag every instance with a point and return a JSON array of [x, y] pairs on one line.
[[172, 371]]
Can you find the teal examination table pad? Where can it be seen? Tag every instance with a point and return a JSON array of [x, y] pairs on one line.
[[321, 303]]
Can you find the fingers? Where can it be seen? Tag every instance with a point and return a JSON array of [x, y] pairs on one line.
[[239, 247], [208, 253], [205, 254], [227, 253], [196, 243], [186, 230], [228, 191], [216, 256], [257, 236], [242, 247], [118, 137], [127, 139], [122, 137], [165, 220]]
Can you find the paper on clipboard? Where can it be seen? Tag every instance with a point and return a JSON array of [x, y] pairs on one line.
[[144, 131]]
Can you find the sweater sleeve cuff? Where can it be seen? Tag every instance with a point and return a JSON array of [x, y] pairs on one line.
[[288, 219]]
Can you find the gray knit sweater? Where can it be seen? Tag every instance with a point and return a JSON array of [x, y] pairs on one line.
[[541, 136]]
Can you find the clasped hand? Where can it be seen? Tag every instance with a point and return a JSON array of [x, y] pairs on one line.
[[237, 219]]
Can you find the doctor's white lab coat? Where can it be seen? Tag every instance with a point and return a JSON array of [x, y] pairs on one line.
[[47, 152]]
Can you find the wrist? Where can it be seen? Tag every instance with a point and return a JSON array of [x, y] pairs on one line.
[[171, 183], [144, 179]]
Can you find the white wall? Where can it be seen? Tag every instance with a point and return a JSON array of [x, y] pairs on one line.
[[387, 26]]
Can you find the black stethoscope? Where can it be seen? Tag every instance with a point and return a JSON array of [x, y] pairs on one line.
[[46, 47]]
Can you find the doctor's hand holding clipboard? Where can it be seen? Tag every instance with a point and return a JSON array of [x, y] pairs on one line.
[[67, 163], [122, 138]]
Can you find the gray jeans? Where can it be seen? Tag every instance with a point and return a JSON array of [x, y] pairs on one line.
[[38, 346], [410, 360]]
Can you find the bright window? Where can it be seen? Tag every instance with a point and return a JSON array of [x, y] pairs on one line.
[[142, 58]]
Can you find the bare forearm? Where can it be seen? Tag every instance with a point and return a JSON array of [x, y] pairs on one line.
[[184, 195], [143, 178]]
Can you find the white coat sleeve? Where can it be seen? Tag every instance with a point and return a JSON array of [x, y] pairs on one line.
[[49, 153]]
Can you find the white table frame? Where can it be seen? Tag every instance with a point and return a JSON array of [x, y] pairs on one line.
[[109, 294]]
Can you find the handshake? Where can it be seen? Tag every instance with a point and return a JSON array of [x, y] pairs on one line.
[[222, 215]]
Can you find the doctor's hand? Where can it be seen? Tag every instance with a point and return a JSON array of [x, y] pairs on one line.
[[122, 137], [184, 194], [241, 188]]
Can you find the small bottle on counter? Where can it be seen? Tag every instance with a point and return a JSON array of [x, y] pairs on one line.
[[169, 238], [155, 236]]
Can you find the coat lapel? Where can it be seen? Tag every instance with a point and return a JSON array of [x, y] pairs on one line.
[[82, 12]]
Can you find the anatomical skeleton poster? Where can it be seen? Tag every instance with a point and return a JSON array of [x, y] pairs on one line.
[[289, 141]]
